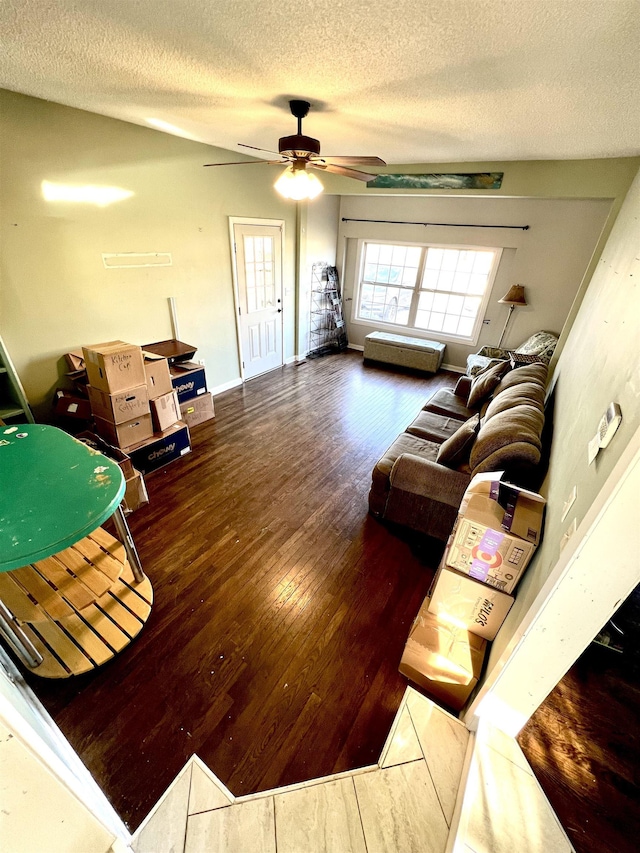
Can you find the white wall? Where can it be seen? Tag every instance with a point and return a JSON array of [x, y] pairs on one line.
[[550, 258]]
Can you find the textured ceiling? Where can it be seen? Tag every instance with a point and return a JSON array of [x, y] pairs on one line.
[[410, 81]]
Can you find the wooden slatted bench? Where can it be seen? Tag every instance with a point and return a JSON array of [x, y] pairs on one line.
[[79, 607], [404, 351]]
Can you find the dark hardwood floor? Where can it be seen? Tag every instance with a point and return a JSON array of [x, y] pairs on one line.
[[281, 608], [583, 744]]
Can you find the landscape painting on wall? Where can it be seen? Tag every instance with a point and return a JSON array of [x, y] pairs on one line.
[[459, 181]]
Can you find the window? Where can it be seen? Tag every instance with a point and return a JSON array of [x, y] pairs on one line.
[[426, 288]]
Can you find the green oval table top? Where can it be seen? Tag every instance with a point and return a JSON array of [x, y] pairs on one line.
[[54, 490]]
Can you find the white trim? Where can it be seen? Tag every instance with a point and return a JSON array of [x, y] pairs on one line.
[[355, 347], [186, 768], [270, 223], [226, 386], [59, 757], [577, 599]]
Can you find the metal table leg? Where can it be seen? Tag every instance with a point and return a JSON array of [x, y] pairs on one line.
[[129, 545], [17, 639]]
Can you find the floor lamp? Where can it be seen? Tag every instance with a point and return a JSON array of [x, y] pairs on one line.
[[514, 297]]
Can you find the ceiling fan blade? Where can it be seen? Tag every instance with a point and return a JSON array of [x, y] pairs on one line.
[[342, 170], [352, 161], [255, 148], [250, 163]]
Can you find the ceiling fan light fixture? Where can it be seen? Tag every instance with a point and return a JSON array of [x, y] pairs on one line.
[[298, 184]]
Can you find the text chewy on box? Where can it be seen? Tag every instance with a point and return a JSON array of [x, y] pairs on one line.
[[497, 530]]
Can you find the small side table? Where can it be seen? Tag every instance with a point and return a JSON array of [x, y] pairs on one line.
[[71, 596]]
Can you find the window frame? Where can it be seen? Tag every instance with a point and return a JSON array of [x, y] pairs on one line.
[[414, 331]]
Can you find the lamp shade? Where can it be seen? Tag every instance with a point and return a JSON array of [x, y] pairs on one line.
[[298, 184], [515, 296]]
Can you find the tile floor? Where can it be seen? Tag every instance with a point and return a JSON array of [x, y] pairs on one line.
[[408, 802]]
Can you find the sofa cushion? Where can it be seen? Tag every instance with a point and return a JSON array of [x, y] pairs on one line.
[[517, 395], [484, 383], [433, 427], [526, 373], [446, 402], [455, 451], [404, 443], [511, 437]]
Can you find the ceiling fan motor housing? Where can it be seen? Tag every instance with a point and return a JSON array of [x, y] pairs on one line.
[[298, 146]]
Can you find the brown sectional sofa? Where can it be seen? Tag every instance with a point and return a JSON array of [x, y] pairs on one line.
[[493, 422]]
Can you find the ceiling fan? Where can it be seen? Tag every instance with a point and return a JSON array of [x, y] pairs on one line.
[[301, 153]]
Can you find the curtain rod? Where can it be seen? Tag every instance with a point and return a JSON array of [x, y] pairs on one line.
[[439, 224]]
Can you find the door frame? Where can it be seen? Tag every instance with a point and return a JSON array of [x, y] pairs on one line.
[[253, 220]]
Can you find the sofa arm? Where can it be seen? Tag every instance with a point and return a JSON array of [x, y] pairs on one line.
[[428, 479], [424, 496], [463, 386]]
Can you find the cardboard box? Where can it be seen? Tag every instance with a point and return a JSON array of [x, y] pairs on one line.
[[127, 433], [475, 606], [135, 496], [443, 658], [497, 531], [158, 378], [96, 443], [189, 380], [71, 405], [522, 509], [165, 411], [120, 407], [198, 410], [114, 366], [75, 360], [155, 452]]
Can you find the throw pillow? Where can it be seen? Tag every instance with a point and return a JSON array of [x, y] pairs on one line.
[[522, 358], [455, 451], [485, 382]]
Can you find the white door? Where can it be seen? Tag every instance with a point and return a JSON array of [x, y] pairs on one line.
[[258, 259]]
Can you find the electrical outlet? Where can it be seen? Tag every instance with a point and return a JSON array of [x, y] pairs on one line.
[[569, 503], [201, 361]]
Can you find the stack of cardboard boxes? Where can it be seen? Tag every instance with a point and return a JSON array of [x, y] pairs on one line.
[[134, 404], [496, 533]]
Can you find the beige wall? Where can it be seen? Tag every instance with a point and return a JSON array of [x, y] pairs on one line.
[[38, 813], [599, 364], [550, 258], [318, 241], [55, 293]]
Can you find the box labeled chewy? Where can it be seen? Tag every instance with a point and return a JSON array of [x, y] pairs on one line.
[[498, 529], [443, 658], [189, 380], [114, 366], [120, 407], [480, 608], [162, 448]]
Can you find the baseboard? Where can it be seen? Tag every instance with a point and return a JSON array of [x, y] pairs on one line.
[[355, 347], [226, 386], [453, 367]]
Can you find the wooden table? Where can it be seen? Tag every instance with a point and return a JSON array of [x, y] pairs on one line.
[[71, 595]]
